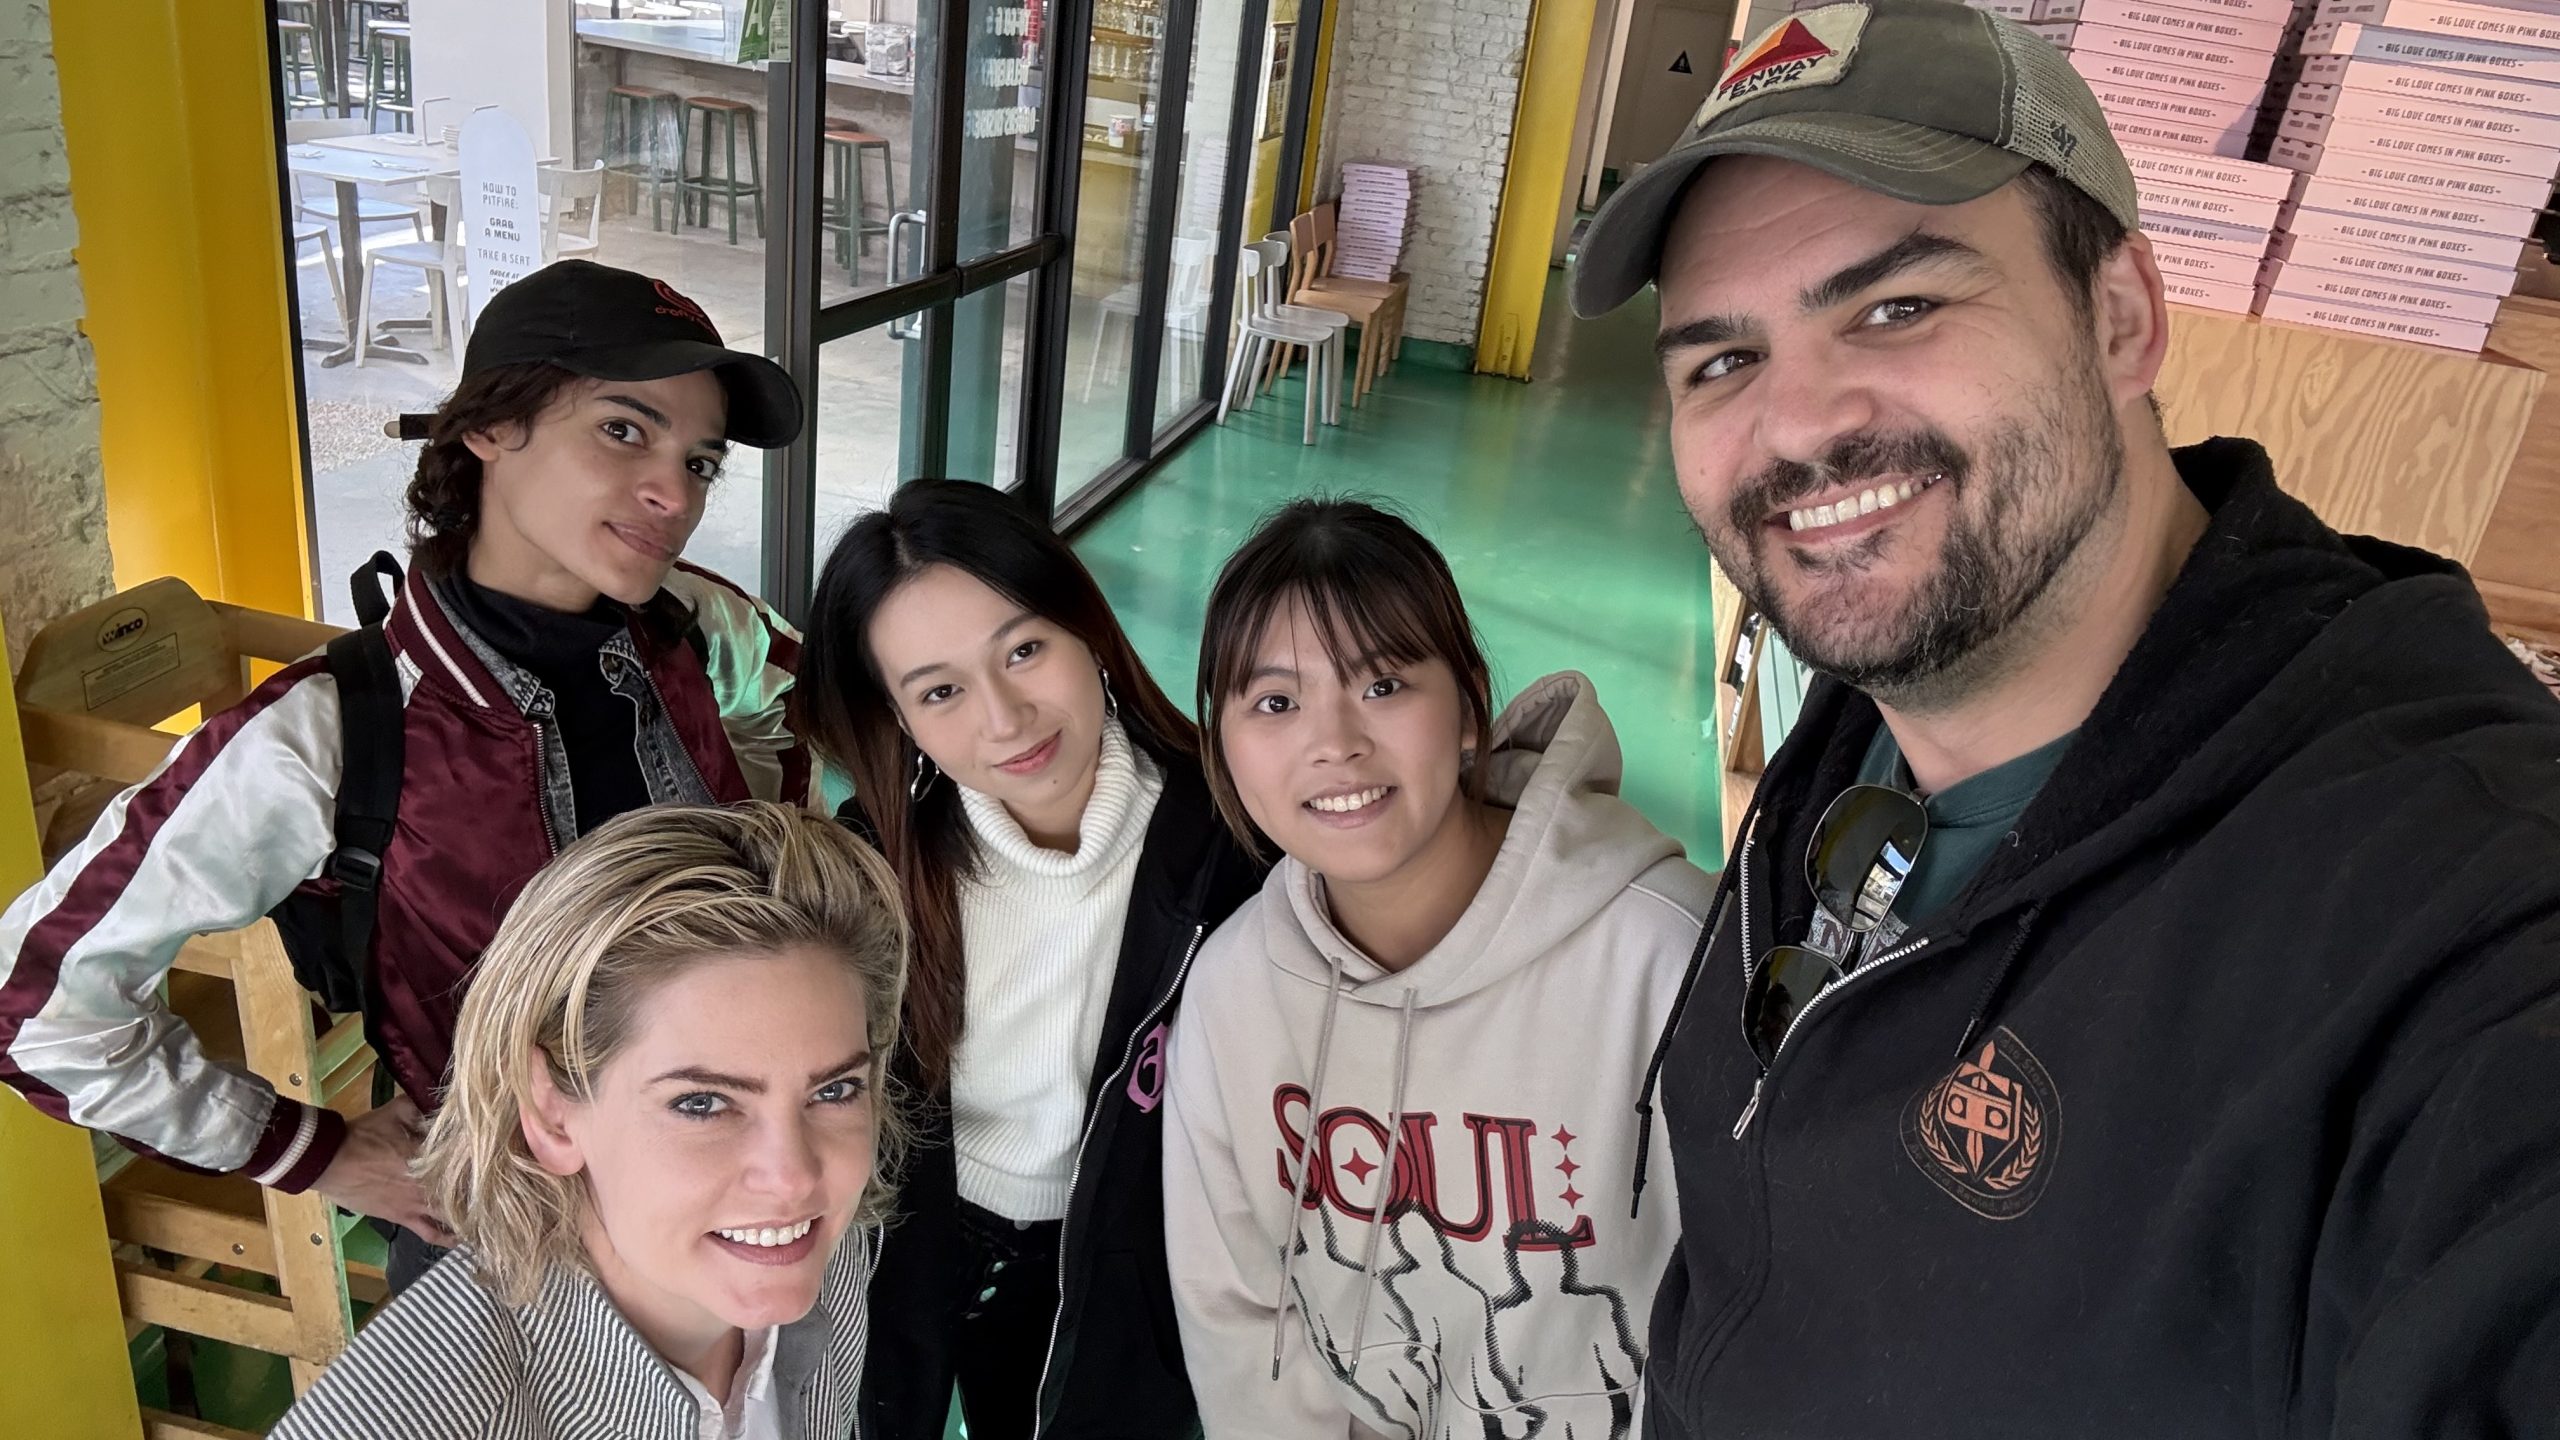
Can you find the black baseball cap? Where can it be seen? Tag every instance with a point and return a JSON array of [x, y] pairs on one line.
[[1923, 100], [609, 324]]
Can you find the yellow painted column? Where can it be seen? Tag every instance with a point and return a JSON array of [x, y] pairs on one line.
[[1265, 184], [66, 1376], [1515, 285], [1308, 179], [167, 109]]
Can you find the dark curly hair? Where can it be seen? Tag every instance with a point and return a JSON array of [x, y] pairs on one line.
[[444, 496]]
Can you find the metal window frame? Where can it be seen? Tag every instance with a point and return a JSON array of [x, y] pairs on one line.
[[1164, 197], [1293, 126], [1090, 501], [798, 330], [796, 101], [796, 93]]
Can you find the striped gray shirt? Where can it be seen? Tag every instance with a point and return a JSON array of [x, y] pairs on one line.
[[448, 1360]]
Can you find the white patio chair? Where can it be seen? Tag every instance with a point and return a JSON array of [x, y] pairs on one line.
[[566, 194], [440, 263], [305, 235], [1186, 304], [1265, 276]]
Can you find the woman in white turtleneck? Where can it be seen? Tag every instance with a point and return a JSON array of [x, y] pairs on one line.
[[1043, 804], [1040, 925]]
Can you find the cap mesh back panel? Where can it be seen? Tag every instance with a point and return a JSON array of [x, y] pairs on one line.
[[2052, 102]]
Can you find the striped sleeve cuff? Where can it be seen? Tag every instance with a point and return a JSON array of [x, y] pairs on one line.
[[299, 1142]]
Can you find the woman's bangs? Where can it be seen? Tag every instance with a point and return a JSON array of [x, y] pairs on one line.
[[1364, 623]]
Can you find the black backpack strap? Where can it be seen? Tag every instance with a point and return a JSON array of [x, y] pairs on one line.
[[372, 606], [371, 746]]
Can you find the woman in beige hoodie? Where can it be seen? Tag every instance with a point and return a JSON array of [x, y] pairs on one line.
[[1403, 1131]]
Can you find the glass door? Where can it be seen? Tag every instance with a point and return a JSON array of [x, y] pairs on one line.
[[922, 226], [881, 200], [1173, 94]]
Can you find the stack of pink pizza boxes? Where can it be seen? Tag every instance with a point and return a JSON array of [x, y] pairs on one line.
[[2052, 19], [2182, 85], [2425, 135]]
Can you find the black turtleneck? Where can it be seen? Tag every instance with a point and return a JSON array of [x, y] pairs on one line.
[[599, 726]]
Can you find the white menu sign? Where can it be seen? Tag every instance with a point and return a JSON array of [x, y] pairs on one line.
[[501, 204]]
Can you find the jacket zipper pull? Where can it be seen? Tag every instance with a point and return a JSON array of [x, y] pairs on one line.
[[1743, 1124]]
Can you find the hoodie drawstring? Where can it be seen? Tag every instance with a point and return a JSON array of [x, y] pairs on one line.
[[1725, 885], [1999, 978], [1382, 1213], [1280, 1304]]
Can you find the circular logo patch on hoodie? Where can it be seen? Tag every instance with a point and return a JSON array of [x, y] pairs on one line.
[[1987, 1132]]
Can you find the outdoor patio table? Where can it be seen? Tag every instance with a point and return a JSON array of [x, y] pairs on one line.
[[348, 169], [391, 162]]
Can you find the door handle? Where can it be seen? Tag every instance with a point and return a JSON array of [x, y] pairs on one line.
[[905, 327]]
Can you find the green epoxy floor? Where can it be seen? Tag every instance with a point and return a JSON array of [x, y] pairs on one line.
[[1553, 501]]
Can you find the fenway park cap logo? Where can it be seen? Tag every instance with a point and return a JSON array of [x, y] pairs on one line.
[[1807, 49]]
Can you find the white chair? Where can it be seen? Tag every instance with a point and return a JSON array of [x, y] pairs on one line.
[[566, 194], [306, 234], [321, 202], [1283, 309], [438, 262], [1259, 327], [1186, 311]]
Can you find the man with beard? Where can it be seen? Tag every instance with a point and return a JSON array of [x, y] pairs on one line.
[[2172, 1045]]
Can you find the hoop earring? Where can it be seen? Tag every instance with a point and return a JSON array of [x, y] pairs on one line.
[[1110, 702], [920, 777]]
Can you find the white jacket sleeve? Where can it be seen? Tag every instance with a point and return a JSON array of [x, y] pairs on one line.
[[753, 662], [240, 813], [1226, 1268]]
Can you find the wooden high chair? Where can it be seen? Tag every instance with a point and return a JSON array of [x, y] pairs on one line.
[[93, 686]]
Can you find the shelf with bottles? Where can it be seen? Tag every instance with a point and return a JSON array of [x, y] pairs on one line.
[[1125, 62], [1137, 19]]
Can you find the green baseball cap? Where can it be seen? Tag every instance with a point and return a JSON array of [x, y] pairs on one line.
[[1923, 100]]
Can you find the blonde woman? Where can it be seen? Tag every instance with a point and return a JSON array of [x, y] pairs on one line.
[[662, 1147]]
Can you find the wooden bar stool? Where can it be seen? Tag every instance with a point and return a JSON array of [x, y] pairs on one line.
[[843, 213], [209, 1256], [701, 184], [638, 122]]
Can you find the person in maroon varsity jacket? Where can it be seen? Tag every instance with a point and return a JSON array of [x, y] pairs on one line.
[[559, 667]]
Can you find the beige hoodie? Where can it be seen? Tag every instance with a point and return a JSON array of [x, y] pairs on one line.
[[1496, 1077]]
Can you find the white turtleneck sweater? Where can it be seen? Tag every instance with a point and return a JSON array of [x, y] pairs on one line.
[[1041, 935]]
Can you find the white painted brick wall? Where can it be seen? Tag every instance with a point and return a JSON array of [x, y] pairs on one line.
[[1432, 84], [53, 543]]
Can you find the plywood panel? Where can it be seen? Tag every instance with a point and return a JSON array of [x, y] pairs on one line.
[[2408, 442], [206, 1307], [2534, 614], [163, 1425], [2522, 545]]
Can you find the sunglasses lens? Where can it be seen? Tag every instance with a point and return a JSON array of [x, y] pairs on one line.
[[1864, 851], [1787, 982]]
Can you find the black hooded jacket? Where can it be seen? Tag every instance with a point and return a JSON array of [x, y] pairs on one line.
[[1114, 1366], [2225, 1101]]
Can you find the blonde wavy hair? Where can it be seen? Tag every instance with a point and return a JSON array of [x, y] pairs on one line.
[[619, 913]]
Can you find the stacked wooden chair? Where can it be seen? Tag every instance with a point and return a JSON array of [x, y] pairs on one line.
[[215, 1257], [1376, 306]]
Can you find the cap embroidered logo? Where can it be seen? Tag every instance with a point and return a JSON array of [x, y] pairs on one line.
[[683, 309], [1812, 48]]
